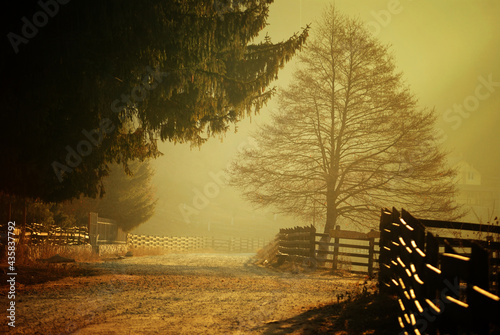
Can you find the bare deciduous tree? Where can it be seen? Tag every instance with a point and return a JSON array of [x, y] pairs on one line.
[[348, 139]]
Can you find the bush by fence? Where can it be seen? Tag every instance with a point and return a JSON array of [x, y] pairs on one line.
[[438, 292]]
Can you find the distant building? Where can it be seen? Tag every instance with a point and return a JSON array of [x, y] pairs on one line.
[[479, 194], [467, 174]]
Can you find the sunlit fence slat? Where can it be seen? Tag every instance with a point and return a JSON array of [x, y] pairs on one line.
[[438, 292]]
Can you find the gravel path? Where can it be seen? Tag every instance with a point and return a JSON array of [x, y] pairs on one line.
[[172, 294]]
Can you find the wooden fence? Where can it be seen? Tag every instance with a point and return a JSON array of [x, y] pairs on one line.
[[348, 248], [358, 250], [297, 244], [37, 234], [106, 237], [438, 292], [105, 231], [98, 231], [193, 243]]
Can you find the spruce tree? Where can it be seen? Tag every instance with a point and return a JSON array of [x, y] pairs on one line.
[[103, 81]]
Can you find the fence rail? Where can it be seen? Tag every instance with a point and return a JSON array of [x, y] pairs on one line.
[[298, 242], [438, 293], [348, 248]]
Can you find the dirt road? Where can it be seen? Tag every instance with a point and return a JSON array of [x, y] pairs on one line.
[[172, 294]]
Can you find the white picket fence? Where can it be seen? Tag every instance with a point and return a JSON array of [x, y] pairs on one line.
[[193, 243]]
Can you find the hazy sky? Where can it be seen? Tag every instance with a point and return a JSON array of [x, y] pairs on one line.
[[449, 54]]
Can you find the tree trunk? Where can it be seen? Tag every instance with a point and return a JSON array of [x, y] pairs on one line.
[[331, 220]]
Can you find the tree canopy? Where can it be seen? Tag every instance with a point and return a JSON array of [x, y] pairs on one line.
[[348, 139], [89, 83]]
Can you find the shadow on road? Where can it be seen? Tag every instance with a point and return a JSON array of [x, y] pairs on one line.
[[369, 315]]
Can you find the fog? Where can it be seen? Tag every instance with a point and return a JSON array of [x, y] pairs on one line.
[[449, 54]]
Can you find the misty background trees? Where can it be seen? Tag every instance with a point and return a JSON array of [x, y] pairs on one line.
[[130, 199], [348, 138]]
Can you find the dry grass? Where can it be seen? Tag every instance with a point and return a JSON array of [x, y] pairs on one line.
[[344, 264], [29, 255], [31, 268]]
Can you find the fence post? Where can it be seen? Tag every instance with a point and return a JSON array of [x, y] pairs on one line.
[[313, 243], [478, 276], [384, 260], [336, 250], [93, 233], [370, 256]]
